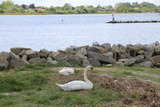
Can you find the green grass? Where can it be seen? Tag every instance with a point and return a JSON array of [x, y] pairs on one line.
[[36, 87], [22, 81]]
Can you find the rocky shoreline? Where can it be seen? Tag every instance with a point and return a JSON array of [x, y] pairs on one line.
[[147, 55]]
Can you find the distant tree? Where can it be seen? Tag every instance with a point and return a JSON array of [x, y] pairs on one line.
[[91, 9], [109, 8], [1, 11], [135, 4], [127, 4], [31, 6], [67, 6], [6, 4], [24, 6]]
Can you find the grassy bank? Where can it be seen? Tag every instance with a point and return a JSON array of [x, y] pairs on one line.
[[34, 85]]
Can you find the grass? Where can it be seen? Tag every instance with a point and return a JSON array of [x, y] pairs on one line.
[[36, 87]]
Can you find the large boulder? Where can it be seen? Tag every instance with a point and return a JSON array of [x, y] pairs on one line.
[[17, 50], [129, 62], [101, 57], [119, 48], [110, 54], [96, 49], [95, 44], [60, 57], [137, 47], [17, 63], [146, 64], [94, 62], [157, 50], [139, 58], [36, 60], [157, 65], [51, 54], [106, 46], [149, 49], [83, 51], [4, 56], [43, 53], [156, 59], [77, 58], [50, 60], [13, 56], [31, 54], [86, 62]]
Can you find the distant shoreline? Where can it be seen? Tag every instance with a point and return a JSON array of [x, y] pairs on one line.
[[63, 14]]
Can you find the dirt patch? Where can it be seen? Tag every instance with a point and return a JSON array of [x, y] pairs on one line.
[[135, 91]]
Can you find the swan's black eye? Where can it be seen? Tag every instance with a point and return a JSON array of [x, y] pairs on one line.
[[91, 68]]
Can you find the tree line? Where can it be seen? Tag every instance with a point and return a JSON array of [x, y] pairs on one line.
[[8, 6]]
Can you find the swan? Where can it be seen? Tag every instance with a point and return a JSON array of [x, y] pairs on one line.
[[77, 84], [66, 71]]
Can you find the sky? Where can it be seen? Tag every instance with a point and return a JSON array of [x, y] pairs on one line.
[[49, 3]]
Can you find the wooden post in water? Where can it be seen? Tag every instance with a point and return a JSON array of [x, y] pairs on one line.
[[113, 16]]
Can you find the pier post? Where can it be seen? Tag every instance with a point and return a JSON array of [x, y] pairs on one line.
[[113, 16]]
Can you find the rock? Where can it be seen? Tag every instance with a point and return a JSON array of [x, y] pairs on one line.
[[110, 54], [94, 62], [35, 61], [119, 48], [13, 56], [157, 50], [145, 64], [120, 64], [83, 51], [17, 63], [122, 56], [155, 59], [22, 53], [4, 56], [51, 54], [97, 49], [141, 52], [61, 57], [137, 47], [129, 62], [79, 48], [95, 44], [77, 58], [157, 65], [101, 57], [139, 58], [43, 53], [122, 60], [24, 57], [31, 54], [149, 49], [17, 50], [86, 62], [70, 49], [106, 46], [50, 60]]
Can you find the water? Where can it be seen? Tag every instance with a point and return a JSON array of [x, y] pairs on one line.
[[54, 32]]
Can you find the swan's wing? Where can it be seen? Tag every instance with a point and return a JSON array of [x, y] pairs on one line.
[[75, 85]]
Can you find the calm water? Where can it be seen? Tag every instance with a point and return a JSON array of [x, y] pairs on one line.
[[50, 32]]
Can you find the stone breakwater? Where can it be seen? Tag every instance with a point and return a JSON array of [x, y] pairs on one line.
[[147, 55]]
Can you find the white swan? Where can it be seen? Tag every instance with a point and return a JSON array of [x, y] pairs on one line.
[[77, 84], [66, 71]]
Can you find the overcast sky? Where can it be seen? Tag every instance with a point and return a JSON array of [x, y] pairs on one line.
[[78, 2]]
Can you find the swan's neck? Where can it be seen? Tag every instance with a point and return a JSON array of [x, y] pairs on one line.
[[86, 79]]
